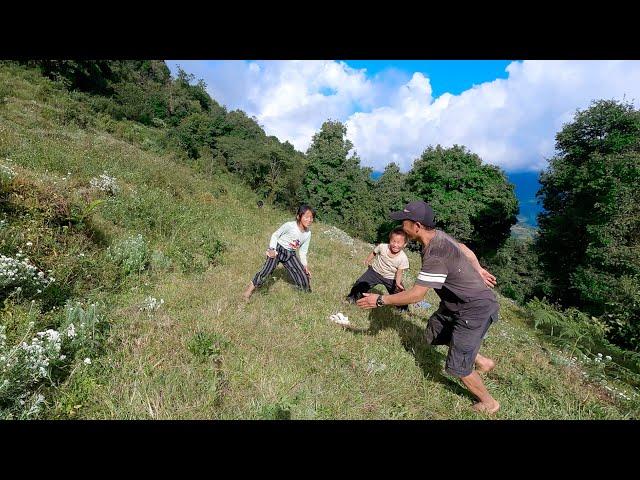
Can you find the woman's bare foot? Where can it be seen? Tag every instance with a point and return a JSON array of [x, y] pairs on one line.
[[490, 407], [247, 293]]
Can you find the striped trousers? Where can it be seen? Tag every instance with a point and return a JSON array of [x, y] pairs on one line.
[[291, 262]]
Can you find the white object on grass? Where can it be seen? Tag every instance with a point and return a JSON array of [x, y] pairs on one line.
[[340, 319]]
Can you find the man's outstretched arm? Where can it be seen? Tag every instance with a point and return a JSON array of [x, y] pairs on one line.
[[414, 295]]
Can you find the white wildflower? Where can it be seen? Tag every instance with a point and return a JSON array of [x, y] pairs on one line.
[[87, 361], [71, 331], [105, 183]]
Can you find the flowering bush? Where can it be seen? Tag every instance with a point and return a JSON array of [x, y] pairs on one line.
[[6, 176], [131, 253], [151, 304], [25, 367], [20, 276], [7, 172], [105, 183]]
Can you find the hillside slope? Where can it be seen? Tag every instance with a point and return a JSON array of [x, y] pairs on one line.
[[204, 353]]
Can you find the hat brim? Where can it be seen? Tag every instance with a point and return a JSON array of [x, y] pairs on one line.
[[400, 215]]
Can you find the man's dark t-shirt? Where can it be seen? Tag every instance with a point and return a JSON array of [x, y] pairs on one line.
[[461, 289]]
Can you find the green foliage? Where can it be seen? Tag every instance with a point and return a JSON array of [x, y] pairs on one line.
[[193, 133], [337, 186], [44, 359], [5, 92], [580, 333], [130, 253], [589, 239], [276, 411], [473, 202], [205, 345], [392, 194], [517, 268]]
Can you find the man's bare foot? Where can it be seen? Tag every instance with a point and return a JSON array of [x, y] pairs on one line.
[[484, 364], [487, 407]]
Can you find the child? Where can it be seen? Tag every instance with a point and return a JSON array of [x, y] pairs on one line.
[[289, 238], [387, 267]]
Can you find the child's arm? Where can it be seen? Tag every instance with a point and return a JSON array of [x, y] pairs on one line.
[[373, 253], [273, 243], [369, 258], [304, 248], [399, 286]]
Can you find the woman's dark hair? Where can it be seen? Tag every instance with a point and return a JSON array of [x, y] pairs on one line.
[[398, 231], [302, 209]]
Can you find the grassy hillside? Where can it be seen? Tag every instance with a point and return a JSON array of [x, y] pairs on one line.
[[202, 352]]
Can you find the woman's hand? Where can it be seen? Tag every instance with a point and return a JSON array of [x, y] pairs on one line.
[[271, 253], [306, 270]]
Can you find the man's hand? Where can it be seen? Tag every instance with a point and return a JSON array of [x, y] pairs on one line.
[[368, 300], [489, 279], [271, 253], [306, 270]]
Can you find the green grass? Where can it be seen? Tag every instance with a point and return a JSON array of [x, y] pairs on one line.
[[206, 354]]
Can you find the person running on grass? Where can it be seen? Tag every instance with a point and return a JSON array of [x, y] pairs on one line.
[[386, 264], [285, 242], [467, 305]]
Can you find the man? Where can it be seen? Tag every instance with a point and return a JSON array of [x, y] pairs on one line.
[[467, 304]]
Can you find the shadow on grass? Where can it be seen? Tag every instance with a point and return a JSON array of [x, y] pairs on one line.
[[413, 340]]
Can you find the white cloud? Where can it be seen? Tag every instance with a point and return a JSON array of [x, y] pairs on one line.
[[509, 122]]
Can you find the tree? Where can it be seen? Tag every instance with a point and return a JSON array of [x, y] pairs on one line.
[[473, 202], [391, 194], [589, 240], [336, 185]]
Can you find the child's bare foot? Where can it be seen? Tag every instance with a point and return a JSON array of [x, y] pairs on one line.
[[490, 407], [247, 293]]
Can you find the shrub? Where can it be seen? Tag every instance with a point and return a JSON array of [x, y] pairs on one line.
[[26, 367], [207, 345], [131, 254], [105, 183], [7, 174], [151, 305], [18, 275]]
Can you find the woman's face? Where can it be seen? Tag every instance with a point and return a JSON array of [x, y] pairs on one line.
[[306, 219]]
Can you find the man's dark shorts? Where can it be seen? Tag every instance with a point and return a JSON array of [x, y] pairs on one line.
[[463, 334]]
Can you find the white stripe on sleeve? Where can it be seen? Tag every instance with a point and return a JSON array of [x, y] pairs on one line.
[[432, 277]]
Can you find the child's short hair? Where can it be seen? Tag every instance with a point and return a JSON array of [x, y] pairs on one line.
[[398, 231], [302, 209]]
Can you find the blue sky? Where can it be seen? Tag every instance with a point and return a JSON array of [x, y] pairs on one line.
[[507, 112], [452, 76]]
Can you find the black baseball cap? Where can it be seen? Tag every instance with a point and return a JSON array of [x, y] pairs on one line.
[[417, 211]]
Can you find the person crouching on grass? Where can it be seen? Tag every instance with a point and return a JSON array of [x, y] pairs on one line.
[[285, 242], [468, 306], [386, 264]]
